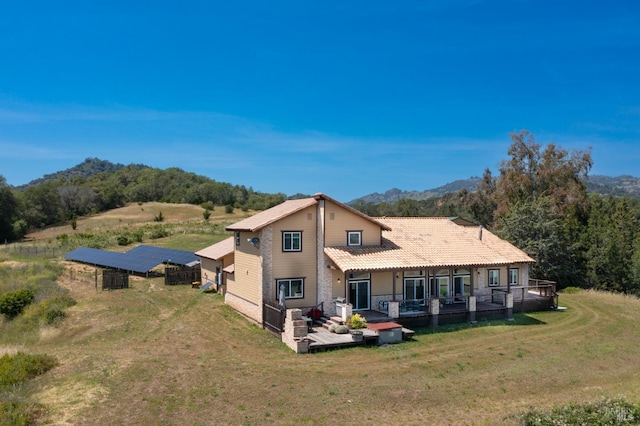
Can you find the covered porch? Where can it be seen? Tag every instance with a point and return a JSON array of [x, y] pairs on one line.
[[501, 303]]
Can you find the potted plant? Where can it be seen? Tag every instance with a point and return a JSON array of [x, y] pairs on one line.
[[356, 323]]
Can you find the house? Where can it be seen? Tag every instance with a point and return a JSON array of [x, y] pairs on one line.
[[319, 252], [216, 262]]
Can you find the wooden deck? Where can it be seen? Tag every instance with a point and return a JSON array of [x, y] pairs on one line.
[[321, 339]]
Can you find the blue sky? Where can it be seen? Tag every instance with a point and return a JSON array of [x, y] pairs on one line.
[[342, 97]]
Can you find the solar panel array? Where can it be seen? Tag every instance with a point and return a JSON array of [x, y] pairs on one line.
[[140, 259]]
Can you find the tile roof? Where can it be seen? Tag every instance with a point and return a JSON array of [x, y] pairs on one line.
[[415, 243], [218, 250], [267, 217]]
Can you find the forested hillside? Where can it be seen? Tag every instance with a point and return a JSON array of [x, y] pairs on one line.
[[96, 186]]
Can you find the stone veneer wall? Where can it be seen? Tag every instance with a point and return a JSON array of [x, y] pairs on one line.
[[248, 309], [324, 276], [295, 331], [266, 258]]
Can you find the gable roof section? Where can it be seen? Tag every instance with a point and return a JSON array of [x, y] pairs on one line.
[[420, 243], [289, 207], [269, 216], [218, 250]]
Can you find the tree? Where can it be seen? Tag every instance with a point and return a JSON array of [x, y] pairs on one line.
[[8, 211], [554, 179]]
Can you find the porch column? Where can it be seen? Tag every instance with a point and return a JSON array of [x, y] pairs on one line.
[[394, 309], [508, 279], [472, 309], [471, 281], [434, 310], [508, 301], [393, 297]]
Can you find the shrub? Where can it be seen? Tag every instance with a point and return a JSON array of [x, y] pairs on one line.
[[206, 214], [20, 413], [159, 232], [138, 235], [332, 328], [357, 321], [15, 369], [158, 218], [342, 329], [572, 290], [123, 240], [607, 411], [228, 209], [50, 311], [12, 304], [314, 313]]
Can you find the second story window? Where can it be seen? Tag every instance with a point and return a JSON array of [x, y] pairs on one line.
[[292, 241], [354, 238], [237, 238]]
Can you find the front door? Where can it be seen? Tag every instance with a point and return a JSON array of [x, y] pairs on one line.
[[359, 294]]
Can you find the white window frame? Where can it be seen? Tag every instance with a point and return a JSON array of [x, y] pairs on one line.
[[357, 234], [287, 287], [289, 235], [490, 272], [514, 273]]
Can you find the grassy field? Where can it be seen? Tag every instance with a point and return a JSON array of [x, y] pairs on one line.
[[153, 354]]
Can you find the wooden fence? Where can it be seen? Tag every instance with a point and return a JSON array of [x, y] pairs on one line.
[[181, 275], [113, 279], [273, 317]]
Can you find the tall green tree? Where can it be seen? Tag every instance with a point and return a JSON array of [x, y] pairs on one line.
[[553, 179], [8, 211]]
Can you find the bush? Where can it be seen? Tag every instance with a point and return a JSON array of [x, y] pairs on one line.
[[50, 311], [314, 313], [332, 328], [20, 413], [138, 235], [357, 321], [607, 411], [12, 304], [228, 209], [342, 329], [206, 214], [572, 290], [159, 232], [15, 369], [158, 218], [123, 240]]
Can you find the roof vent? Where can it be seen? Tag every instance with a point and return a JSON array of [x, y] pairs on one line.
[[480, 233]]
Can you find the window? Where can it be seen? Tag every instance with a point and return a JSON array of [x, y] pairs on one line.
[[237, 238], [293, 287], [292, 241], [354, 238], [494, 277], [513, 276]]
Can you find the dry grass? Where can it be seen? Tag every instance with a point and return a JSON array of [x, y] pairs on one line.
[[154, 354], [172, 355], [134, 215]]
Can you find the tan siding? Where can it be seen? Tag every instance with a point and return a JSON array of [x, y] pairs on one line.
[[248, 278], [208, 269], [300, 264], [382, 283], [339, 220], [338, 287]]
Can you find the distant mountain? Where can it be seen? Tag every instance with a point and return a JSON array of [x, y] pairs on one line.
[[395, 194], [89, 167], [604, 185], [620, 186]]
